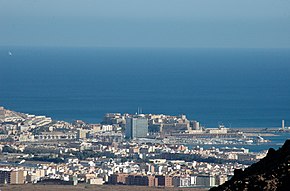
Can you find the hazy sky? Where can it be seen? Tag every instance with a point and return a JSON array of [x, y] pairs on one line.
[[146, 23]]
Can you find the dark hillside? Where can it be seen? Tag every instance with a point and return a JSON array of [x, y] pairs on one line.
[[272, 173]]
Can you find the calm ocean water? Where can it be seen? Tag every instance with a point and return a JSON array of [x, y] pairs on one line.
[[239, 87]]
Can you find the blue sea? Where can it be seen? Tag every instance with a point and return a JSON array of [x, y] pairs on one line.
[[236, 87]]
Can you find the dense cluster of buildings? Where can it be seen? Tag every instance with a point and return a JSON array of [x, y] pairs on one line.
[[140, 149]]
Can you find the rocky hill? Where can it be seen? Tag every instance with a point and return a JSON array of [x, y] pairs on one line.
[[272, 173]]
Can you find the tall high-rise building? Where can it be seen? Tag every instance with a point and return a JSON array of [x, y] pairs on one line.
[[136, 127], [82, 133]]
